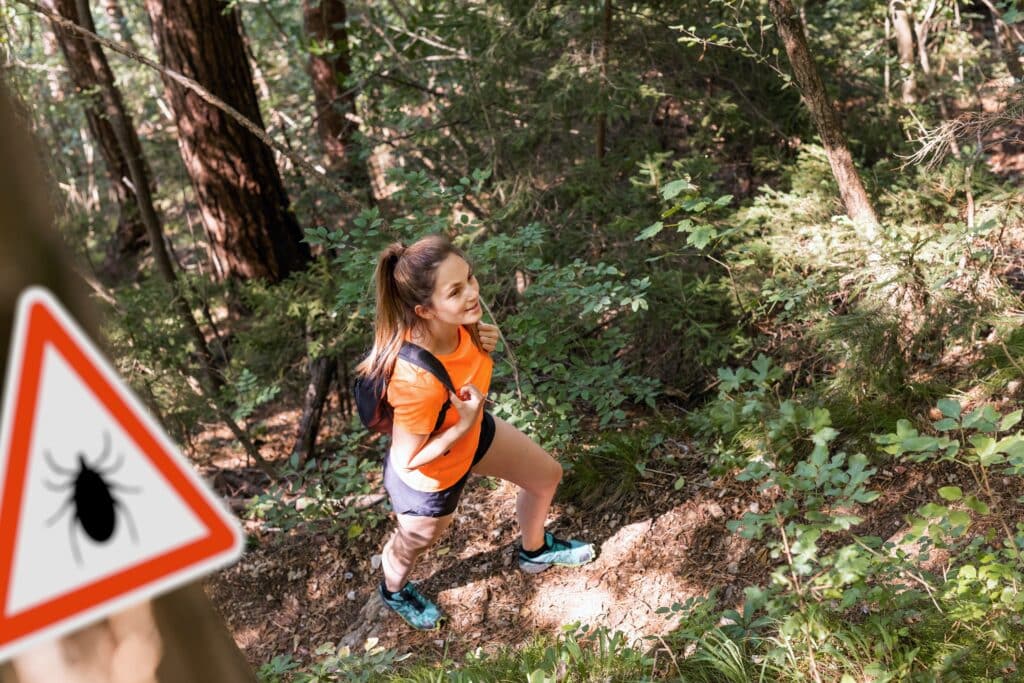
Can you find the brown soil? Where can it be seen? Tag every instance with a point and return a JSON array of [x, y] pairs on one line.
[[295, 591]]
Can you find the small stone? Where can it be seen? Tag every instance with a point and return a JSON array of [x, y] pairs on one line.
[[715, 510], [755, 507], [375, 562], [524, 611], [733, 568], [348, 576], [929, 480], [351, 595], [439, 643]]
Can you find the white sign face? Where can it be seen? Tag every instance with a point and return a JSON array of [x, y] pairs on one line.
[[98, 509]]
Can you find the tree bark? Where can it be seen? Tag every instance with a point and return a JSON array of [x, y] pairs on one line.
[[241, 197], [90, 77], [329, 68], [177, 636], [1005, 43], [812, 89], [321, 374], [902, 22]]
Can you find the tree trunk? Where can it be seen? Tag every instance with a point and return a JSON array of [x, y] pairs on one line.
[[321, 374], [812, 88], [329, 68], [602, 118], [52, 75], [241, 196], [118, 23], [175, 637], [89, 78], [1005, 43], [903, 25]]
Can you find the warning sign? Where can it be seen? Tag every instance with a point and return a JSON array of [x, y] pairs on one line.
[[98, 509]]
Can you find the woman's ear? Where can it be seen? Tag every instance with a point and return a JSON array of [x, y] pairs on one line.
[[423, 312]]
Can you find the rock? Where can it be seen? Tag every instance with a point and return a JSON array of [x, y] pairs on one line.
[[755, 507], [351, 595], [375, 562], [348, 576], [715, 510]]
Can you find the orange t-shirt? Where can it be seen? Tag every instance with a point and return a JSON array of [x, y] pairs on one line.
[[417, 397]]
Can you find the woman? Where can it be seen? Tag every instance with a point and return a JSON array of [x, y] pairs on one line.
[[427, 294]]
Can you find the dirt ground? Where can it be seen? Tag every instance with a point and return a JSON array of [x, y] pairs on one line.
[[295, 591]]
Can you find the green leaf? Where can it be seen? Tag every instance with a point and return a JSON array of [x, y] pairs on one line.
[[949, 407], [946, 424], [650, 231], [1009, 421], [951, 492], [976, 505], [680, 483], [959, 518], [723, 200], [701, 235], [673, 189]]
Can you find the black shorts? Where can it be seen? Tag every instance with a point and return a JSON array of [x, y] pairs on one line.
[[408, 501]]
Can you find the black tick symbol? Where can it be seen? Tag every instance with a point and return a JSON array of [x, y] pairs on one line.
[[92, 500]]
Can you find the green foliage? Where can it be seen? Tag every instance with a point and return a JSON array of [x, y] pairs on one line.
[[579, 653], [326, 492], [334, 665]]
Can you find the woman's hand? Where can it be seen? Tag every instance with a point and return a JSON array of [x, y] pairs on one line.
[[488, 336], [468, 402]]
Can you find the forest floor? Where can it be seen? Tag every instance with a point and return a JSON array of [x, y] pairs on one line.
[[293, 592]]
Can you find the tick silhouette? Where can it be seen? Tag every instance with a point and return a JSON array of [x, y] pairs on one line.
[[92, 499]]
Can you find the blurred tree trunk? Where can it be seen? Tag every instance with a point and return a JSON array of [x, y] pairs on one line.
[[329, 68], [602, 118], [118, 23], [812, 88], [52, 75], [239, 189], [902, 22], [1006, 42], [89, 78], [175, 637]]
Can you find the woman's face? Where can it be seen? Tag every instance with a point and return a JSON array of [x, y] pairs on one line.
[[456, 297]]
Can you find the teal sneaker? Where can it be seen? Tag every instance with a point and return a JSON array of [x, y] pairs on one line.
[[416, 610], [557, 552]]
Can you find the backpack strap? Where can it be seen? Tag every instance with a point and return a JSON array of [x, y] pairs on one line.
[[421, 358]]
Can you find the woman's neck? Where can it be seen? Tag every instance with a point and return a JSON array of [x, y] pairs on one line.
[[439, 338]]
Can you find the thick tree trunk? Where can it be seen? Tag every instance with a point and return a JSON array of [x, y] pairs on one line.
[[239, 189], [177, 636], [812, 88], [329, 67], [89, 78], [902, 22]]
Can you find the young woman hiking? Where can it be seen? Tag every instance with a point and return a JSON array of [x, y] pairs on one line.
[[427, 294]]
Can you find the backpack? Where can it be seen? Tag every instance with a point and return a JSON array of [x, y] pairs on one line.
[[371, 393]]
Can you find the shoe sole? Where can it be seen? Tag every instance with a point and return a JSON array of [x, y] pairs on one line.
[[538, 567]]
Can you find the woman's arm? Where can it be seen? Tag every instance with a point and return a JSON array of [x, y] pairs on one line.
[[416, 450]]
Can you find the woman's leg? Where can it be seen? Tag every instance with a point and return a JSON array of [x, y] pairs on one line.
[[513, 456], [412, 537]]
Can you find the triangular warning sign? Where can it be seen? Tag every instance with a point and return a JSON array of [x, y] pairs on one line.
[[98, 509]]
